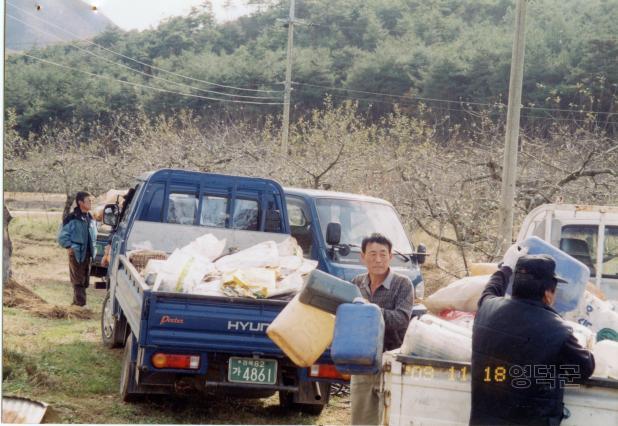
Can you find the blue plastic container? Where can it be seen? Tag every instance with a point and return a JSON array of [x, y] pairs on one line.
[[327, 292], [359, 338], [572, 270]]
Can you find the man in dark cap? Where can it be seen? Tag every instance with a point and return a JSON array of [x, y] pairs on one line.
[[523, 353]]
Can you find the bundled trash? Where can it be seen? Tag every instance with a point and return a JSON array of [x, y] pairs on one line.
[[445, 333], [264, 270]]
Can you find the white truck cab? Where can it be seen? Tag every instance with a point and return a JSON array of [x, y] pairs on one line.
[[588, 233]]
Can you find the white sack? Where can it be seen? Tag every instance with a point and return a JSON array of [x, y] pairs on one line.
[[181, 271], [584, 335], [307, 266], [289, 247], [450, 326], [207, 246], [460, 295], [594, 313], [290, 284], [208, 288], [258, 256], [606, 359]]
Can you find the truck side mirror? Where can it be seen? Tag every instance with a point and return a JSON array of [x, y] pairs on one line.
[[111, 212], [421, 249], [333, 233]]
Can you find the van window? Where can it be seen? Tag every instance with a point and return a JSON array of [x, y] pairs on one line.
[[300, 224], [580, 242], [214, 211], [610, 252], [182, 208], [153, 203], [246, 215]]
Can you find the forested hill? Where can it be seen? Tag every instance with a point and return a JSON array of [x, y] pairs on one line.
[[439, 50]]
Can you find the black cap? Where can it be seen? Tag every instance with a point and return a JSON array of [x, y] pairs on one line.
[[540, 266]]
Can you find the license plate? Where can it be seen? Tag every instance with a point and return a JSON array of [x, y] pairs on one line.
[[252, 370]]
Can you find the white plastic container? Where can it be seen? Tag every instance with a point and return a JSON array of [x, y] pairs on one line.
[[302, 332], [434, 341]]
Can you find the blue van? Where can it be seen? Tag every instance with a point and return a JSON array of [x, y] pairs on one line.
[[186, 342]]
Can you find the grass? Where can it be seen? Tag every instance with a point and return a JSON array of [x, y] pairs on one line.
[[63, 363], [34, 200]]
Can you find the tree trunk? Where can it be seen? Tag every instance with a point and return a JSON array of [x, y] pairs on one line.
[[8, 246], [68, 203]]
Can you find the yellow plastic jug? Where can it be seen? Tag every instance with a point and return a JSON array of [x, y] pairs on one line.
[[303, 332]]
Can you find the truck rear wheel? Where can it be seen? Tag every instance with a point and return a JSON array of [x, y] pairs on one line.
[[286, 402], [128, 387], [113, 330]]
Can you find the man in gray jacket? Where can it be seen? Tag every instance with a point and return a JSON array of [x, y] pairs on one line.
[[394, 294], [78, 235]]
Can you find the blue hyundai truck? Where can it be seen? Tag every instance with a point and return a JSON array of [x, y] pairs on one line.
[[176, 342]]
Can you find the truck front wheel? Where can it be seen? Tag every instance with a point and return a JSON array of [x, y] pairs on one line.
[[113, 330]]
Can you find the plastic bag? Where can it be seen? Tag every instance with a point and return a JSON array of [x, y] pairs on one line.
[[208, 288], [594, 313], [307, 266], [182, 271], [289, 264], [460, 318], [290, 284], [289, 247], [258, 256], [207, 246], [461, 295], [439, 322], [250, 282], [584, 336], [606, 359]]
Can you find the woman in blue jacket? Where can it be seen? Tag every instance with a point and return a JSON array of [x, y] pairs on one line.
[[79, 235]]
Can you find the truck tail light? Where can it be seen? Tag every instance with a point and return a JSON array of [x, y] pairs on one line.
[[188, 362], [326, 371]]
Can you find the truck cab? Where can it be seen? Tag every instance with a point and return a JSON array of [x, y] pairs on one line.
[[312, 212], [588, 233]]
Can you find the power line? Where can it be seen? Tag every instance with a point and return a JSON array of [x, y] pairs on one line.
[[450, 101], [452, 109], [417, 98], [143, 63], [145, 86], [140, 71]]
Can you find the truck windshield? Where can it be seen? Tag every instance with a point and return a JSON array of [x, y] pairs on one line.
[[581, 242], [359, 219]]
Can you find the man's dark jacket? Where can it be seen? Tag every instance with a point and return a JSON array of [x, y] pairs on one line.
[[523, 339]]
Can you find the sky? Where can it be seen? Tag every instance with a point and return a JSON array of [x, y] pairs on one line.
[[141, 14]]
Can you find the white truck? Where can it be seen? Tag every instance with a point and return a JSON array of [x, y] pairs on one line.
[[428, 392], [420, 391], [588, 233]]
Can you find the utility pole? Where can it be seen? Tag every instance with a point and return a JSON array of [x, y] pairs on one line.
[[509, 169], [288, 83]]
